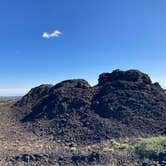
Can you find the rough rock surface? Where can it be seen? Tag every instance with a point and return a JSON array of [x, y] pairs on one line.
[[123, 103], [34, 95], [130, 75]]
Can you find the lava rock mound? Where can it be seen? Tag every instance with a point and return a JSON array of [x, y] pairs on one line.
[[123, 103], [34, 95], [62, 98]]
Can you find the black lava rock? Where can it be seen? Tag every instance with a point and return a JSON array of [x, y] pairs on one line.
[[123, 103]]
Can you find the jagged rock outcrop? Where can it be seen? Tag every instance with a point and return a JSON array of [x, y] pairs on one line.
[[123, 103], [137, 104], [130, 76], [63, 98], [34, 95]]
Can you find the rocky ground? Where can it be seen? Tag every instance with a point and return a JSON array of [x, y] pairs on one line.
[[72, 123], [19, 146]]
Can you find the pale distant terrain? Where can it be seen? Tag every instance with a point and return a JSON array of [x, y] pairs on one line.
[[8, 99]]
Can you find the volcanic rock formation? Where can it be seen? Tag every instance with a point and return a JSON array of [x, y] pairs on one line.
[[123, 103]]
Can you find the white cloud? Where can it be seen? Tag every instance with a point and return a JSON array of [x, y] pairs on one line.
[[55, 33]]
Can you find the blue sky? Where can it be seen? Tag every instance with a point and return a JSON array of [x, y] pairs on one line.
[[82, 39]]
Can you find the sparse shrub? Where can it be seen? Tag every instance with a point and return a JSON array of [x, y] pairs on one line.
[[151, 147]]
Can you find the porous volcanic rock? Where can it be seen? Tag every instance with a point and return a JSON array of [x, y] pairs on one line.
[[64, 97], [34, 95], [130, 75], [123, 103]]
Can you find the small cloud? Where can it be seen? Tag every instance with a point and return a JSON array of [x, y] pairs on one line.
[[55, 33]]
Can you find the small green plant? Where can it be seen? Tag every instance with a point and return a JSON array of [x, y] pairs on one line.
[[151, 147]]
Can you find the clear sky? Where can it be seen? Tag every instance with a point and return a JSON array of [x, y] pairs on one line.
[[49, 41]]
